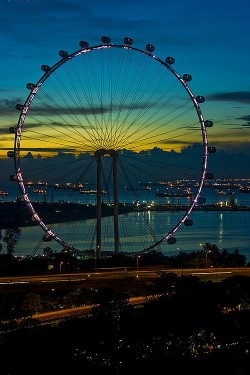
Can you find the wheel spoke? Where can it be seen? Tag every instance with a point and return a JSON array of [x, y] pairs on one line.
[[107, 104]]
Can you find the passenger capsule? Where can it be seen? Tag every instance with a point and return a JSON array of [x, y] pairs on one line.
[[200, 99], [83, 44], [128, 41], [188, 222], [45, 68], [11, 154], [211, 149], [208, 123], [19, 107], [187, 77], [105, 40], [47, 238], [209, 176], [13, 177], [150, 48], [171, 240], [12, 130], [170, 60], [30, 86], [63, 54]]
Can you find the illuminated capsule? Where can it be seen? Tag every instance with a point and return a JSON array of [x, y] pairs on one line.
[[128, 41], [171, 240], [187, 77], [211, 149], [200, 99], [63, 54], [83, 44], [150, 48], [105, 39], [208, 123], [170, 60], [188, 222], [45, 68]]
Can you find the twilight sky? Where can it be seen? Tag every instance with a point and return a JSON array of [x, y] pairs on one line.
[[209, 39]]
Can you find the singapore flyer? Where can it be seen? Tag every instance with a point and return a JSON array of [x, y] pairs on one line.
[[111, 150]]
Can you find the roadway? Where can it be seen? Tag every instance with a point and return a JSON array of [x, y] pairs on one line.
[[61, 314], [119, 273], [97, 278]]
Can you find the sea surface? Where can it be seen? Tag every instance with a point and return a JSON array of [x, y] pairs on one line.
[[227, 230]]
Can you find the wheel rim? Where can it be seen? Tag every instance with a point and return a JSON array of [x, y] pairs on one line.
[[120, 98]]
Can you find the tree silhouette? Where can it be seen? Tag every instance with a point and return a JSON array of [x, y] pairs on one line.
[[1, 245], [10, 239], [31, 304]]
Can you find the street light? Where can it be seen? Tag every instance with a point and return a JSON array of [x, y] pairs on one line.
[[137, 263], [181, 255], [207, 251], [199, 255], [96, 253]]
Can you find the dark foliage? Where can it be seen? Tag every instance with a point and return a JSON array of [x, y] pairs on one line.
[[193, 327]]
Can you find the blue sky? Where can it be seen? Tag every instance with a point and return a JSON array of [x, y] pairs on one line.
[[209, 40]]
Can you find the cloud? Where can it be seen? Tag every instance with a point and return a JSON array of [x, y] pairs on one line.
[[7, 104], [233, 96], [49, 150], [245, 118]]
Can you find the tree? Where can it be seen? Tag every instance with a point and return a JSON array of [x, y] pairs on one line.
[[109, 311], [47, 251], [235, 259], [110, 303], [10, 239], [31, 304], [1, 245]]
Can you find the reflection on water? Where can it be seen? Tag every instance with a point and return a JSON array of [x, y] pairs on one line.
[[228, 230]]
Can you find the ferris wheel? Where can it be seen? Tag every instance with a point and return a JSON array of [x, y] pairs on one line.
[[114, 129]]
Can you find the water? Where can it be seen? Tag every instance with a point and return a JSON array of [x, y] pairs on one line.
[[227, 230]]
